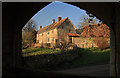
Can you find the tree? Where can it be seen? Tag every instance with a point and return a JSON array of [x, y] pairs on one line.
[[87, 20], [102, 43], [83, 21], [30, 26], [29, 33], [63, 39], [96, 30]]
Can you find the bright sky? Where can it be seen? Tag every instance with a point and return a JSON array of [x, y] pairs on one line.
[[53, 10]]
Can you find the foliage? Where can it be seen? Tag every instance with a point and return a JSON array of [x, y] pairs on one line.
[[30, 26], [63, 39], [28, 38], [89, 38], [101, 43], [29, 34], [87, 20], [97, 30], [79, 31], [84, 21]]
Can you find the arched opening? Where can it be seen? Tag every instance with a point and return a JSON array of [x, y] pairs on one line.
[[11, 54], [83, 42]]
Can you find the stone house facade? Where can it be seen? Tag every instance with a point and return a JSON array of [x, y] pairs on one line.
[[61, 32], [58, 32]]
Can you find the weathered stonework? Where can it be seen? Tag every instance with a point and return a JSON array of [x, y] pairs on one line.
[[55, 33], [85, 42]]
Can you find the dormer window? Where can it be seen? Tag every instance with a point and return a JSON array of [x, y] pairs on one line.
[[69, 30], [67, 23], [62, 27]]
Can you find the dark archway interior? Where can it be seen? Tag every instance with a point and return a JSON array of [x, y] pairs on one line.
[[15, 16]]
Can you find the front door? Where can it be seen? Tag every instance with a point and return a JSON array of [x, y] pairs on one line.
[[70, 39], [56, 42]]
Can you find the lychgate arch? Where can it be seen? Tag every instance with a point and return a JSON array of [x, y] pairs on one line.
[[15, 15]]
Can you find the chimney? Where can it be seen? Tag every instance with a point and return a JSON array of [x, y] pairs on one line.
[[59, 18], [53, 21], [40, 27]]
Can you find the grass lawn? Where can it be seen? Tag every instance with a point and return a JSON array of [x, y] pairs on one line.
[[89, 56], [86, 56], [94, 55], [31, 51]]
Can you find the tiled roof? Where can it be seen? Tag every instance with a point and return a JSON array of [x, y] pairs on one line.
[[57, 24], [72, 34], [43, 29], [52, 26]]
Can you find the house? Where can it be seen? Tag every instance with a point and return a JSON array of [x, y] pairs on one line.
[[56, 33]]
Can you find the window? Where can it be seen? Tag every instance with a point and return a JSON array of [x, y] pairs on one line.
[[69, 30], [67, 23], [52, 31], [62, 27], [48, 39], [53, 39], [40, 34]]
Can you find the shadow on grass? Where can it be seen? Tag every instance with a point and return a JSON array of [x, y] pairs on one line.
[[89, 56], [85, 57]]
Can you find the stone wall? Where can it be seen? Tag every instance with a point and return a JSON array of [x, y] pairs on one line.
[[85, 42], [54, 36], [45, 45], [51, 34]]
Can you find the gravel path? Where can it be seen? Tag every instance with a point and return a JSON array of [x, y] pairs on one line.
[[94, 70]]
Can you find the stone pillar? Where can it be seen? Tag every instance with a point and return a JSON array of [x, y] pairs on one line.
[[117, 25], [115, 44], [17, 44], [112, 53]]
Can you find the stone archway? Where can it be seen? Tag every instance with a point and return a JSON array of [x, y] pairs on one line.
[[15, 15]]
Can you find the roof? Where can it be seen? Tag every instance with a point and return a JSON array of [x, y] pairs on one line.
[[57, 24], [52, 26], [42, 29], [72, 34]]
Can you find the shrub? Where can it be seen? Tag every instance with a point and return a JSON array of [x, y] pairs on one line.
[[81, 36], [101, 43], [89, 38]]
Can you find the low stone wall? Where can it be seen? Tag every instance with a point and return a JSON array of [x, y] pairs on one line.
[[85, 42], [45, 45], [50, 60]]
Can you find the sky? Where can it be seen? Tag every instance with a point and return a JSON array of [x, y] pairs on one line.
[[53, 10]]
